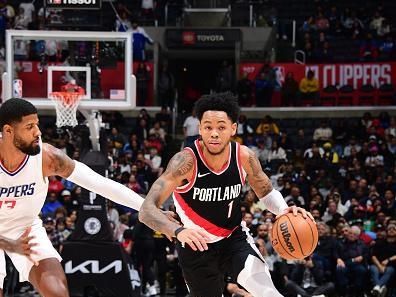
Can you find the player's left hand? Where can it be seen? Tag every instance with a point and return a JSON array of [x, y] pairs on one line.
[[295, 210]]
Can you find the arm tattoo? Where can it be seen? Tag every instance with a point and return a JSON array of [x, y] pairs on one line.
[[258, 180], [59, 163], [150, 213], [180, 164]]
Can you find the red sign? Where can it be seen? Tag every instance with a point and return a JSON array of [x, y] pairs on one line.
[[356, 75], [188, 38]]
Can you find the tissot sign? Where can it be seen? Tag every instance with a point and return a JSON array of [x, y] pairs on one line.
[[204, 38], [74, 4]]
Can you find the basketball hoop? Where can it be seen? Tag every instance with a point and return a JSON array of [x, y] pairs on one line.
[[66, 104]]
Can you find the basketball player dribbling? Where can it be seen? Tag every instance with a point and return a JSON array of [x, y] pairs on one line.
[[25, 164], [206, 181]]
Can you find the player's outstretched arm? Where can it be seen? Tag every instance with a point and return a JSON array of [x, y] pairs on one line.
[[179, 169], [261, 185], [55, 162]]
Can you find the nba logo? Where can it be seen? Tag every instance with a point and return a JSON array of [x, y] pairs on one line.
[[17, 88]]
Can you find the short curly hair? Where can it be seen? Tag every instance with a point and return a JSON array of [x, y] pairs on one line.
[[226, 102]]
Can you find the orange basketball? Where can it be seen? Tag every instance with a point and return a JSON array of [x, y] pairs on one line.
[[294, 237]]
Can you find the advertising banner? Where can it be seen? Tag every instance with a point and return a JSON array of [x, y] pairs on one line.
[[354, 74]]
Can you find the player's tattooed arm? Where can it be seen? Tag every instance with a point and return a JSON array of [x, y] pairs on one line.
[[180, 168], [256, 177], [56, 162]]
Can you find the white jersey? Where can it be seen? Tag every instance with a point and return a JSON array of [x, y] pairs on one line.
[[22, 195]]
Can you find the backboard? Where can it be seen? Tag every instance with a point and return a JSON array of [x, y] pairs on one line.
[[43, 61]]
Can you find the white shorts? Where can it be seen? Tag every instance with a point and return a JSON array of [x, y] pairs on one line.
[[3, 271], [43, 250]]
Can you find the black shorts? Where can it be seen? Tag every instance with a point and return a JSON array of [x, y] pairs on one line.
[[204, 271]]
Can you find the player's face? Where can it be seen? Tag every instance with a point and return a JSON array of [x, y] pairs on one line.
[[216, 130], [27, 135]]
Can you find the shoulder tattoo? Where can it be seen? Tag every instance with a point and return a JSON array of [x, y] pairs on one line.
[[180, 164]]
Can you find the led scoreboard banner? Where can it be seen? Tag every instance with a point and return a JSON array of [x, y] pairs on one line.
[[73, 4]]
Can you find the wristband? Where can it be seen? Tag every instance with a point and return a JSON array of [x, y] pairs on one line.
[[178, 230]]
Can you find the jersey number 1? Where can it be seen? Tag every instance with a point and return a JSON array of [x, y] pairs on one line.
[[230, 209]]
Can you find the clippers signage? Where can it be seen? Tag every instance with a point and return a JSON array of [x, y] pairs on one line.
[[205, 38], [74, 4], [356, 74]]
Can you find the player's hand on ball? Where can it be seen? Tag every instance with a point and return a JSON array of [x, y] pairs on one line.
[[23, 245], [295, 210], [196, 239]]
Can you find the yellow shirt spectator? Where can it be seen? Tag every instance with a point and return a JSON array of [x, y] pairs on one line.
[[309, 85]]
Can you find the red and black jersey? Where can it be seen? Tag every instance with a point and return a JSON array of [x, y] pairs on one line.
[[211, 200]]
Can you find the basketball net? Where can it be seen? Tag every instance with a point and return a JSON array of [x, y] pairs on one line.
[[66, 104]]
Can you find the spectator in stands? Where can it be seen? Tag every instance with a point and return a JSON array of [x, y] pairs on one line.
[[142, 130], [140, 38], [331, 211], [309, 25], [387, 49], [352, 257], [264, 88], [376, 22], [321, 22], [158, 131], [352, 145], [323, 133], [309, 52], [68, 201], [53, 234], [243, 128], [112, 213], [21, 20], [248, 219], [276, 156], [368, 49], [166, 85], [122, 23], [142, 80], [155, 161], [224, 79], [267, 125], [244, 90], [164, 118], [191, 129], [261, 151], [51, 204], [383, 259], [307, 278], [290, 91], [295, 198], [324, 53], [375, 159], [333, 17], [309, 88], [325, 252]]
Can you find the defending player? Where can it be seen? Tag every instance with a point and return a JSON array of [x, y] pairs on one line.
[[25, 164], [206, 180]]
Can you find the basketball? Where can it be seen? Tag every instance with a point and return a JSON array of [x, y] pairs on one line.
[[293, 237]]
